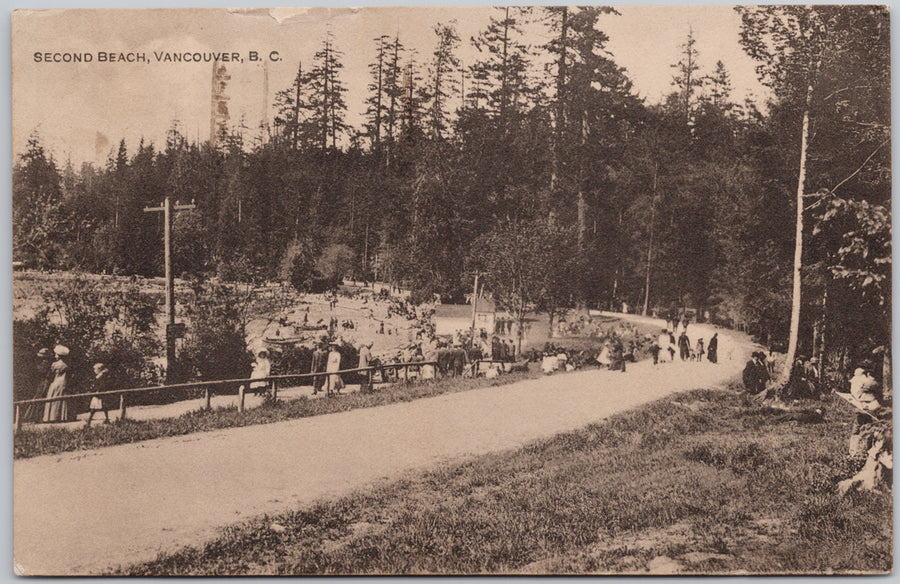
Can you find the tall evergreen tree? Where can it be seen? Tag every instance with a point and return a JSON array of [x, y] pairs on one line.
[[442, 79], [37, 222]]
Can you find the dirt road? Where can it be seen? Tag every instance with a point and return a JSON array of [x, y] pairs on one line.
[[81, 513]]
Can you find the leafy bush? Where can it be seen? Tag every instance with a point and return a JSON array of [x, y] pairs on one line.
[[423, 295], [335, 261], [293, 359], [97, 322], [215, 347], [298, 265]]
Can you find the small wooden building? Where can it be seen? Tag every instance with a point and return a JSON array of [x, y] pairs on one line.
[[450, 318]]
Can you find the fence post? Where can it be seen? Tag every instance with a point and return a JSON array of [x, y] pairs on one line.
[[18, 425], [121, 406], [274, 390], [406, 373], [241, 398], [370, 386], [206, 404]]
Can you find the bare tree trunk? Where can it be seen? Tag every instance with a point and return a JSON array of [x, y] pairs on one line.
[[798, 243], [581, 303], [650, 246], [647, 277], [560, 103]]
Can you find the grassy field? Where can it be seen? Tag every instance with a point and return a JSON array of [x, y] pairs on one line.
[[702, 482], [35, 442]]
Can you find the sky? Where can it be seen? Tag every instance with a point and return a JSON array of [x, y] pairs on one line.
[[82, 110]]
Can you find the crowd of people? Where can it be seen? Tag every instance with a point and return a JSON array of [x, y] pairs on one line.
[[805, 380], [460, 354], [674, 339]]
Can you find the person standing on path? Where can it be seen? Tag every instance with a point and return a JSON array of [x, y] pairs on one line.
[[713, 348], [495, 348], [319, 359], [365, 357], [335, 383], [262, 368], [58, 411], [684, 346], [655, 351], [102, 382], [663, 343], [617, 357], [699, 350], [32, 412]]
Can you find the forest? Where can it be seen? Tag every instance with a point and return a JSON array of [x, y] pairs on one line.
[[537, 167]]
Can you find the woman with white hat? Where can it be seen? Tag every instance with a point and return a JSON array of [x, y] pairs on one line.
[[58, 411]]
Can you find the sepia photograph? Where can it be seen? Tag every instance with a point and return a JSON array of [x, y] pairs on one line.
[[459, 290]]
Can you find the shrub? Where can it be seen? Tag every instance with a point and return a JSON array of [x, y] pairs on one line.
[[293, 359], [335, 260], [114, 324], [298, 265], [423, 295], [215, 347]]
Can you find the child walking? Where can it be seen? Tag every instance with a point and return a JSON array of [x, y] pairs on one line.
[[101, 383]]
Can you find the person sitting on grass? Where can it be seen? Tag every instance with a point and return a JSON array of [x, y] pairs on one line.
[[102, 382], [549, 363], [864, 388], [755, 375]]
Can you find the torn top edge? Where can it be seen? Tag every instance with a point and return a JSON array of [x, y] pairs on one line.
[[287, 14]]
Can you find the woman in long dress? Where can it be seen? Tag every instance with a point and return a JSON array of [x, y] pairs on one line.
[[58, 411], [34, 412], [335, 383], [663, 342]]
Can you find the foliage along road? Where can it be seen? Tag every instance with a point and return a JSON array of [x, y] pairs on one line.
[[83, 513]]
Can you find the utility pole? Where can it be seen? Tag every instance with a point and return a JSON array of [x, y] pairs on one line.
[[172, 331], [474, 310]]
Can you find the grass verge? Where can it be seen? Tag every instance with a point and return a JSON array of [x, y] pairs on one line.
[[702, 482], [35, 442]]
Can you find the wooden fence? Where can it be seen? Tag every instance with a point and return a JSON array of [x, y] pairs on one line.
[[272, 382]]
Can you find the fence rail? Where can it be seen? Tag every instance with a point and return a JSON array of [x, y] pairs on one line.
[[272, 382]]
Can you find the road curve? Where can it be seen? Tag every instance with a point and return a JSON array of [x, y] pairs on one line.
[[83, 513]]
